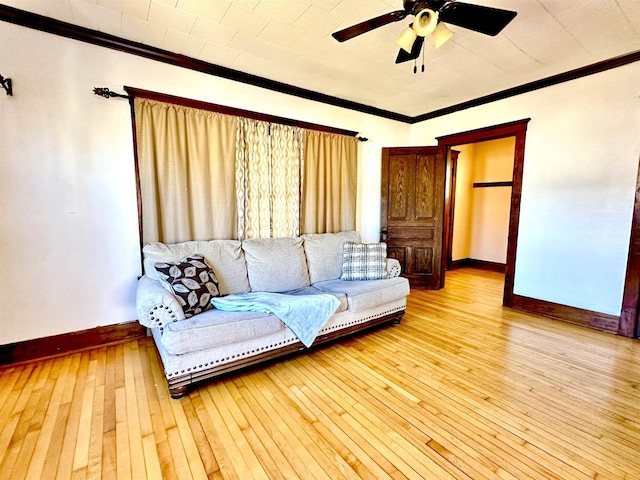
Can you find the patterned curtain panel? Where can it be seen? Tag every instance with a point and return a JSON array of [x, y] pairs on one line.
[[253, 179], [268, 170], [186, 159], [286, 175], [330, 183]]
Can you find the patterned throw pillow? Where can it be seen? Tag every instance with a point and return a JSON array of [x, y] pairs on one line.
[[192, 282], [363, 261]]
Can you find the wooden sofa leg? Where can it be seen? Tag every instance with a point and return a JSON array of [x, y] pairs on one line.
[[396, 321], [177, 392]]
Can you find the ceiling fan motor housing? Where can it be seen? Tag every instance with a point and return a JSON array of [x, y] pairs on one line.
[[412, 7]]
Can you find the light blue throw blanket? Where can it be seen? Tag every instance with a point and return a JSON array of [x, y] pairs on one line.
[[305, 315]]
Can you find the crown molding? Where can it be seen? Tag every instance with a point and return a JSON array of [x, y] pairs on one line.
[[68, 30], [535, 85], [64, 29]]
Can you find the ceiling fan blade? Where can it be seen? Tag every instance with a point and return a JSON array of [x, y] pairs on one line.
[[478, 18], [368, 25], [403, 56]]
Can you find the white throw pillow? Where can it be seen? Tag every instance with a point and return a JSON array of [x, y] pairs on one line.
[[275, 264], [324, 254]]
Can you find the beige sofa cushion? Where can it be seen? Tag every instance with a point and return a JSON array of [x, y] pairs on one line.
[[365, 294], [324, 254], [275, 264], [215, 328], [224, 256]]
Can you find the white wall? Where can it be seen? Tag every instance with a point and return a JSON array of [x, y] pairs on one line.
[[580, 170], [68, 232]]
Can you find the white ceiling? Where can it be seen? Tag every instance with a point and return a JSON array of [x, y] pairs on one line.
[[289, 41]]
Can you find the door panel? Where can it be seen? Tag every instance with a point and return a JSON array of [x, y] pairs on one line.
[[423, 260], [399, 202], [413, 181], [425, 187]]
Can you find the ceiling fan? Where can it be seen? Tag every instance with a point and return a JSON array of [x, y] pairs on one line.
[[430, 18]]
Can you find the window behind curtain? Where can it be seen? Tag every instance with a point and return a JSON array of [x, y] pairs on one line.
[[206, 175]]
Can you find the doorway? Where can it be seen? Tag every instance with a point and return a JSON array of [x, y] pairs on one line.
[[517, 130], [479, 184]]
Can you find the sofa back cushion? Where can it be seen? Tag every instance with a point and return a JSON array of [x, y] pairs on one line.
[[275, 264], [324, 254], [224, 256]]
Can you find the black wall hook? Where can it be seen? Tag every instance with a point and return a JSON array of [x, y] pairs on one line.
[[6, 84]]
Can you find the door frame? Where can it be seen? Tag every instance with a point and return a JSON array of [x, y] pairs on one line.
[[629, 325], [517, 129], [450, 204]]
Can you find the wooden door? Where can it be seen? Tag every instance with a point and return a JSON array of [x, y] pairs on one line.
[[413, 184]]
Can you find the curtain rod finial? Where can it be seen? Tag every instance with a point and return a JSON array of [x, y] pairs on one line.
[[106, 93], [7, 84], [362, 139]]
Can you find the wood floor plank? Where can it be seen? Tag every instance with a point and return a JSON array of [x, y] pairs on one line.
[[344, 383], [334, 432], [196, 427], [75, 394], [94, 462], [550, 425], [446, 414], [49, 410], [282, 444], [228, 452], [122, 452], [303, 418], [133, 416], [462, 389], [188, 443], [54, 450], [161, 418], [256, 383], [279, 464]]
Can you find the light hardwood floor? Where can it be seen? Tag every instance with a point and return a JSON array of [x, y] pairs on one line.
[[463, 388]]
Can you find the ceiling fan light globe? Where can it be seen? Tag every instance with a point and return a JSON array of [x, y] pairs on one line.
[[406, 40], [441, 35], [425, 22]]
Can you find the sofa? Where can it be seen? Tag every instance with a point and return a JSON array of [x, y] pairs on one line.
[[196, 342]]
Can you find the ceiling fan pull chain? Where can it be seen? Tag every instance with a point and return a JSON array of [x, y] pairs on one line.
[[423, 59], [415, 66]]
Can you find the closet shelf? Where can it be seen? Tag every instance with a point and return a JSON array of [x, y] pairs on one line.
[[492, 184]]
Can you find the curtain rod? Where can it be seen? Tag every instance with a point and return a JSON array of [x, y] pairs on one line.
[[223, 109]]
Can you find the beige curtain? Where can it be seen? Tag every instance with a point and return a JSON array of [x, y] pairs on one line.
[[268, 175], [330, 182], [186, 159]]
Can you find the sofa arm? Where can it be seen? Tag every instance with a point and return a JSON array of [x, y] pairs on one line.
[[156, 307], [392, 268]]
